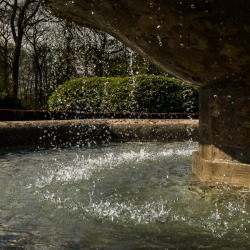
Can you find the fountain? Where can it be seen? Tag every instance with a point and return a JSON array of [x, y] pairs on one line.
[[203, 42], [143, 195]]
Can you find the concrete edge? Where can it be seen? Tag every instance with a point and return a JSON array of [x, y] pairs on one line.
[[64, 133], [220, 171]]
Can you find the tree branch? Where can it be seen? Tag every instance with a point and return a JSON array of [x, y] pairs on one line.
[[27, 19], [12, 20]]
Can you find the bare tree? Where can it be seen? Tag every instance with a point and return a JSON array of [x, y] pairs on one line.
[[100, 49], [21, 14], [42, 52], [38, 48], [5, 45]]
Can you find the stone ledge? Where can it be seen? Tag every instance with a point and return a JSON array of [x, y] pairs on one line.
[[79, 132], [222, 171]]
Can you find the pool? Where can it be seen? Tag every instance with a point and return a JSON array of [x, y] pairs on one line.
[[116, 196]]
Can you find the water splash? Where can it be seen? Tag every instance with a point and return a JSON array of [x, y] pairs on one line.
[[122, 192], [83, 167]]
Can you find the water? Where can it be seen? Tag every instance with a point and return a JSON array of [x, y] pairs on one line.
[[118, 196]]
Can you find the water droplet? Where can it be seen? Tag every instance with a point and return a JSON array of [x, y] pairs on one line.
[[159, 39]]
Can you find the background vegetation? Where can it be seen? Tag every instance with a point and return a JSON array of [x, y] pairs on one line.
[[39, 52], [125, 94]]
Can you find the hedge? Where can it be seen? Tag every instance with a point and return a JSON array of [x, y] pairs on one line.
[[141, 93]]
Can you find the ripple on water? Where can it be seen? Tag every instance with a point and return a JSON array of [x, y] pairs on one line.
[[123, 192]]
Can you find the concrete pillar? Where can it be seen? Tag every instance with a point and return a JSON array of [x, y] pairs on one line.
[[224, 144]]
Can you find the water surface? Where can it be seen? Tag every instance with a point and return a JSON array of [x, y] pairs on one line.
[[118, 196]]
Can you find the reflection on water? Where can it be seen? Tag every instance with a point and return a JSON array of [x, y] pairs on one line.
[[123, 196]]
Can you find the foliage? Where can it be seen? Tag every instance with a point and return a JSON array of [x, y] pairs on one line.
[[39, 52], [141, 93]]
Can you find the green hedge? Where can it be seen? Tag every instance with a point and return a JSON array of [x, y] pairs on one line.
[[145, 93]]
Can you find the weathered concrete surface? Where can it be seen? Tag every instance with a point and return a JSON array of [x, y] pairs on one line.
[[205, 42], [200, 41], [53, 134], [225, 122], [224, 144], [223, 171]]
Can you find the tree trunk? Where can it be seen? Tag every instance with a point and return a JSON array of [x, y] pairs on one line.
[[6, 67], [16, 61]]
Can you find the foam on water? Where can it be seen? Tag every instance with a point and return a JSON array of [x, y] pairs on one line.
[[123, 192], [101, 169], [83, 166]]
